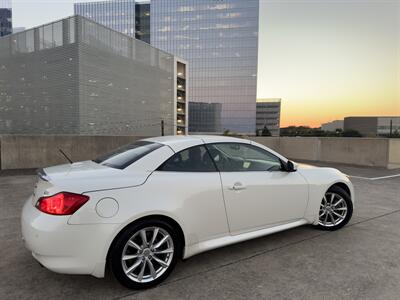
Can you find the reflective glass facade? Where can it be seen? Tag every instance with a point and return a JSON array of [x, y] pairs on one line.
[[219, 39], [127, 16], [118, 14], [5, 18], [204, 117], [142, 21]]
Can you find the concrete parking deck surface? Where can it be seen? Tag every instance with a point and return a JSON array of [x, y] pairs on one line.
[[360, 261]]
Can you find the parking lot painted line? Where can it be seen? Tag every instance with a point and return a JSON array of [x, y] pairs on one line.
[[375, 178]]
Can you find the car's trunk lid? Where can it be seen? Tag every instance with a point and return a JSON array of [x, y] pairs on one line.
[[83, 177]]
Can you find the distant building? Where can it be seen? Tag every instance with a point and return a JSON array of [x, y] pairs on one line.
[[218, 38], [372, 126], [18, 29], [333, 125], [5, 18], [269, 115], [206, 117], [75, 76]]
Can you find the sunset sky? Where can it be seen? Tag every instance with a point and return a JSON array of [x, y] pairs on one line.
[[326, 59]]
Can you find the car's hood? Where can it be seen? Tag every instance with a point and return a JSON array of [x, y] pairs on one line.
[[310, 171], [87, 176], [305, 166]]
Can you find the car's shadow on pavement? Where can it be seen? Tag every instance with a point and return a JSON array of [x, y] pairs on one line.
[[38, 282]]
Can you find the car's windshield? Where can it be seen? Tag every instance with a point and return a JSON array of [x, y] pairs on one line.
[[126, 155]]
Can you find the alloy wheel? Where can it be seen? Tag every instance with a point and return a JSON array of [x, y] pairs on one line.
[[147, 254], [333, 210]]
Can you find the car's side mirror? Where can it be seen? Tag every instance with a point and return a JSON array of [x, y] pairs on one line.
[[289, 166]]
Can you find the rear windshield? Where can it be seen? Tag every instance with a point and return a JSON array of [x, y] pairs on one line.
[[126, 155]]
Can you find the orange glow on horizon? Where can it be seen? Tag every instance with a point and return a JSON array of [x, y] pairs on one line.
[[330, 60], [307, 115]]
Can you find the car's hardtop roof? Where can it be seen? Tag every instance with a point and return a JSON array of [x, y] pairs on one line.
[[172, 139], [179, 142]]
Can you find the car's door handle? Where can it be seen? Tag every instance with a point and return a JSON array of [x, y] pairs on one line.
[[237, 187]]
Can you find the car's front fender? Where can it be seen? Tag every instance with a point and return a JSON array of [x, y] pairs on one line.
[[319, 181]]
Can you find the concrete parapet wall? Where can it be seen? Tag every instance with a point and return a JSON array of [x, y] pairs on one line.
[[376, 152], [27, 151], [394, 154], [304, 148], [363, 152]]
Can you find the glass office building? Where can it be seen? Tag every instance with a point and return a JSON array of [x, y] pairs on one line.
[[127, 16], [268, 115], [205, 117], [218, 39], [5, 18], [142, 20]]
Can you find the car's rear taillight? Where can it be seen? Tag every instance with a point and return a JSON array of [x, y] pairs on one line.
[[63, 203]]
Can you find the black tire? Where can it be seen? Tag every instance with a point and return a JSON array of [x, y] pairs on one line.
[[118, 246], [349, 205]]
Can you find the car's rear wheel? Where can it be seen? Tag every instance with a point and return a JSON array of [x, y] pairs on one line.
[[335, 210], [145, 254]]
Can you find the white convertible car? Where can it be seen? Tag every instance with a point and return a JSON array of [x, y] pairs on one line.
[[144, 206]]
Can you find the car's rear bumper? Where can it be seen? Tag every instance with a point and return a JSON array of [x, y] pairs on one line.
[[64, 248]]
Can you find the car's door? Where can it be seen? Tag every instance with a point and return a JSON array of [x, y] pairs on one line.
[[257, 192], [190, 185]]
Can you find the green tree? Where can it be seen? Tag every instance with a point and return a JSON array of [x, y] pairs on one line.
[[307, 131], [395, 134], [265, 131], [351, 133]]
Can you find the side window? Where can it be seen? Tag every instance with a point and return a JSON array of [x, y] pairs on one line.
[[194, 159], [236, 157]]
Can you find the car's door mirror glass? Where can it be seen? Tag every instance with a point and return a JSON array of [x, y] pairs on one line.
[[291, 166]]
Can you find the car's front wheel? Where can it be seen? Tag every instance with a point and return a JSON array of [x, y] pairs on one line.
[[145, 254], [335, 210]]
